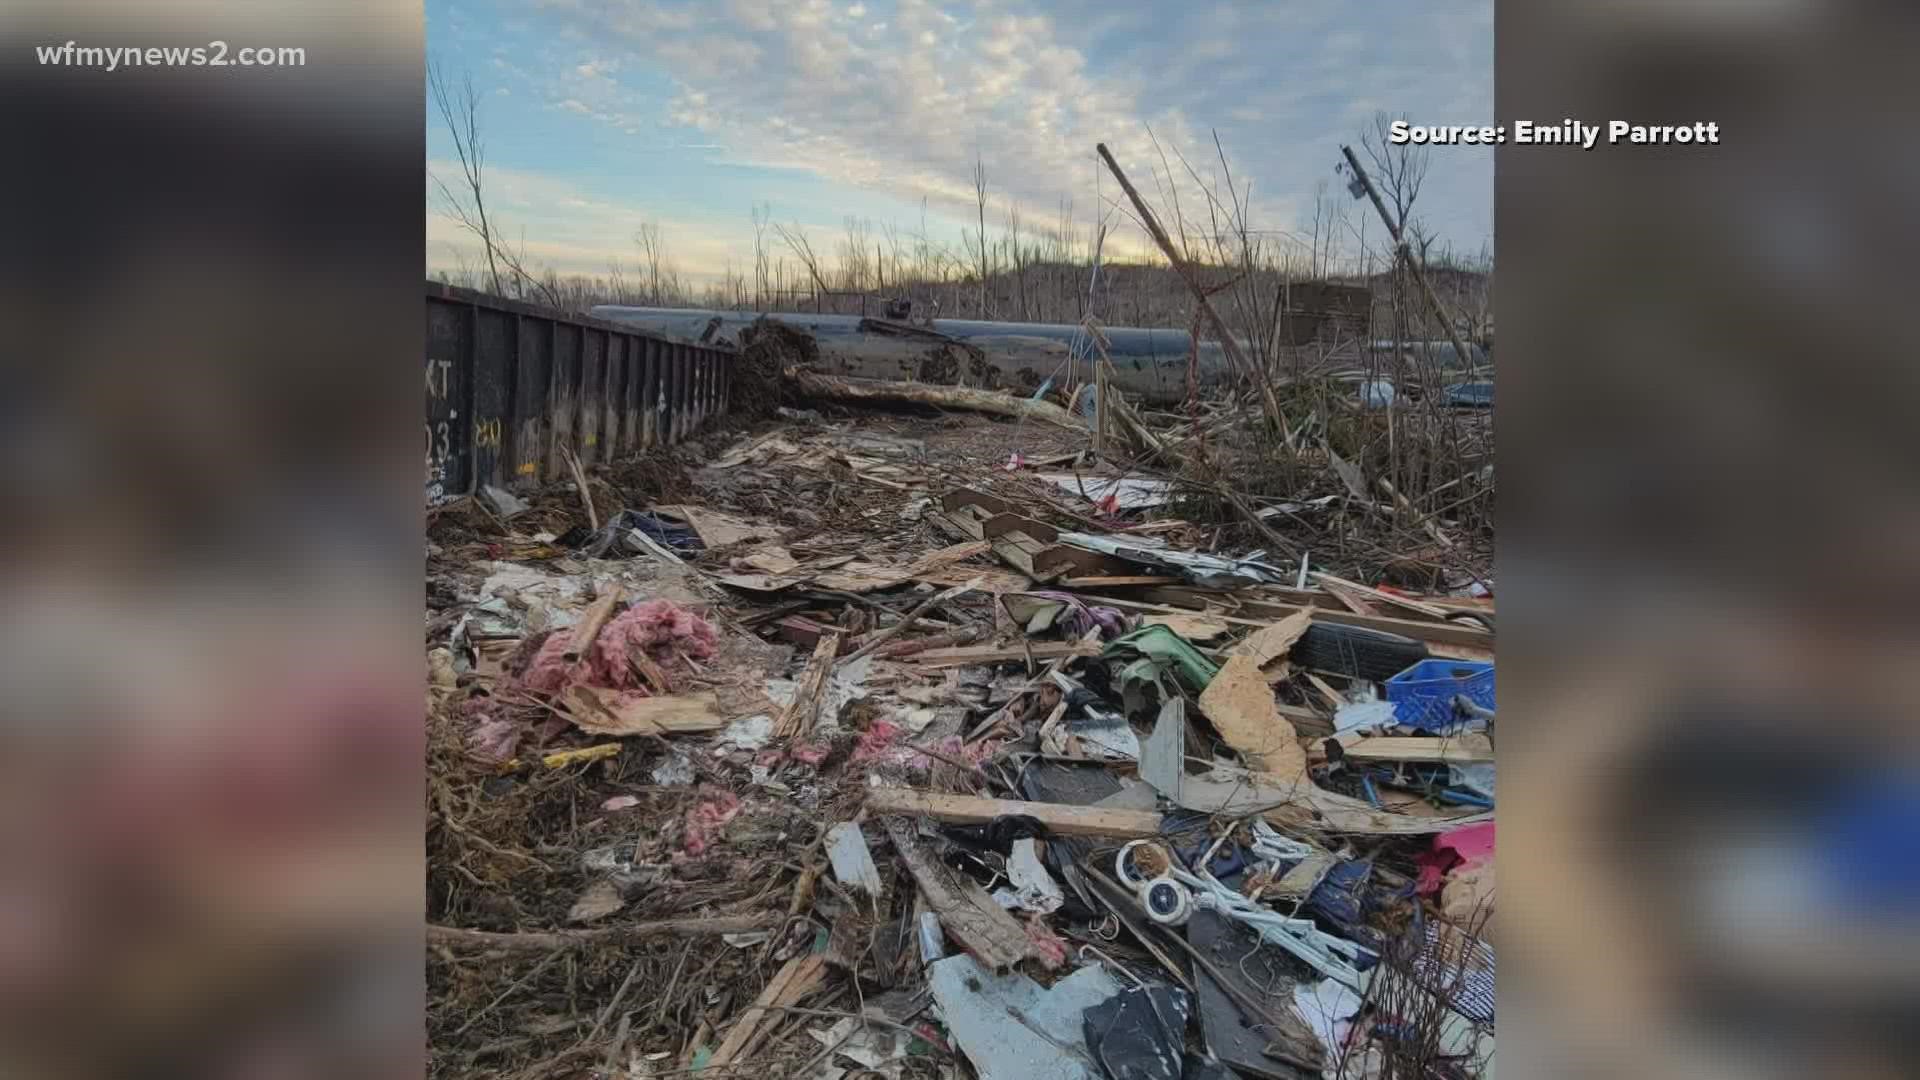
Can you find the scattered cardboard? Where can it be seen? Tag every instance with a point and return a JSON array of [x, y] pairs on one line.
[[1241, 706]]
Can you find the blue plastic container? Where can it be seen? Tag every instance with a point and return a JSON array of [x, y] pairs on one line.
[[1422, 695]]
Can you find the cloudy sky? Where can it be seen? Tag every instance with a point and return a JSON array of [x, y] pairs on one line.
[[600, 115]]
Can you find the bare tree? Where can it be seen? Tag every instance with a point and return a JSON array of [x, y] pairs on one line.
[[854, 269], [980, 200], [762, 214], [1018, 257], [459, 108], [543, 287], [653, 255], [1398, 171], [891, 233], [802, 248]]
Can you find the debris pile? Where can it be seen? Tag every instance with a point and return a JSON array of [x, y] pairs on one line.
[[901, 747]]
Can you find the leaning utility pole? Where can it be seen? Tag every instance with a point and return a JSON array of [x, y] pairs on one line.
[[1403, 251]]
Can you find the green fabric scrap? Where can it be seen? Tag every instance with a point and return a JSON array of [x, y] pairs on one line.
[[1166, 650]]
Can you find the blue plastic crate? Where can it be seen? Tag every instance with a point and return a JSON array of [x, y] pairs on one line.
[[1422, 695]]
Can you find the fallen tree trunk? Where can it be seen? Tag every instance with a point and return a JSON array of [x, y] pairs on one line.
[[813, 384]]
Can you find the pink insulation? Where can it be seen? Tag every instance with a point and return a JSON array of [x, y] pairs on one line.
[[493, 735], [876, 741], [710, 815], [492, 738], [809, 753], [665, 630], [882, 744], [1047, 947]]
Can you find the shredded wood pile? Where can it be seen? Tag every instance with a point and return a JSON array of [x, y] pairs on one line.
[[870, 747], [767, 348]]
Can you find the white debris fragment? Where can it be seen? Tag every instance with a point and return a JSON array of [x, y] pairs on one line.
[[747, 733], [852, 861], [1033, 886], [675, 771], [1011, 1027], [1364, 716], [1326, 1006]]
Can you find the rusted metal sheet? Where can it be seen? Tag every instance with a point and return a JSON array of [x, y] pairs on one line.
[[563, 398], [533, 373], [650, 393], [614, 400], [509, 387], [593, 383]]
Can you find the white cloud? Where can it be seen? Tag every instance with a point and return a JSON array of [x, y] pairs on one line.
[[902, 104]]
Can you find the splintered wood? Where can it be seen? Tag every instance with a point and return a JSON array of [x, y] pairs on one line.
[[800, 977], [1059, 818], [995, 938], [582, 637], [605, 712], [1268, 646], [798, 718], [1455, 750]]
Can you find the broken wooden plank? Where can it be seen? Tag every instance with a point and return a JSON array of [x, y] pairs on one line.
[[1353, 601], [798, 718], [1378, 596], [944, 557], [1116, 581], [650, 670], [993, 654], [1191, 598], [1305, 720], [969, 810], [1334, 700], [906, 622], [1000, 525], [1467, 749], [605, 712], [956, 498], [582, 637], [993, 579], [995, 938], [1447, 651], [796, 980]]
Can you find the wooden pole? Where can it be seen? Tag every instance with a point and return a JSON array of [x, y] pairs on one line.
[[1269, 403], [1404, 252]]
